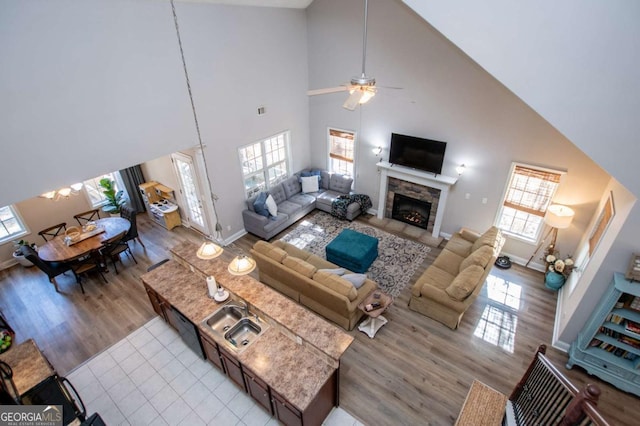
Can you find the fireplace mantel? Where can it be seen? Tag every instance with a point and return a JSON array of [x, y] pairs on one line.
[[443, 183]]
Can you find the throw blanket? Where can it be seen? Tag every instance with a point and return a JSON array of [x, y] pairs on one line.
[[339, 206]]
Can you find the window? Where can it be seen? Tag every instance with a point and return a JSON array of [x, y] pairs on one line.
[[94, 190], [265, 163], [527, 197], [341, 151], [11, 224]]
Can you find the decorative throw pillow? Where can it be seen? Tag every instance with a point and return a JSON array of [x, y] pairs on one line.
[[356, 279], [464, 284], [480, 257], [335, 271], [310, 184], [259, 204], [336, 284], [271, 205]]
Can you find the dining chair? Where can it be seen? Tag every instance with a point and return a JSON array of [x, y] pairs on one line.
[[130, 214], [88, 216], [114, 247], [53, 231], [90, 263], [52, 269]]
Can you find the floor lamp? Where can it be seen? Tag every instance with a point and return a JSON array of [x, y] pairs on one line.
[[557, 217]]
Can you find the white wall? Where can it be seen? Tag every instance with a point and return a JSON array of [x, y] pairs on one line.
[[94, 86], [446, 97], [612, 254], [575, 62]]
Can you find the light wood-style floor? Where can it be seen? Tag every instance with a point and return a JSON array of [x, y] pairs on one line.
[[415, 371]]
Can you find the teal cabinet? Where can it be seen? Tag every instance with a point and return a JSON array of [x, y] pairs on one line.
[[609, 344]]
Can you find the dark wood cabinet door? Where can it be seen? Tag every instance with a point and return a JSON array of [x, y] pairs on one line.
[[211, 350], [285, 412], [233, 369], [155, 302], [258, 390]]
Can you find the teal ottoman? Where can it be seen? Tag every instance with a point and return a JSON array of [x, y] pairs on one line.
[[352, 250]]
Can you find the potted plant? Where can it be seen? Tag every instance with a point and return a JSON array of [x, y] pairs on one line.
[[115, 199], [17, 253]]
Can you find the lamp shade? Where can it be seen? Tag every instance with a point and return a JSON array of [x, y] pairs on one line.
[[209, 250], [559, 216], [241, 265]]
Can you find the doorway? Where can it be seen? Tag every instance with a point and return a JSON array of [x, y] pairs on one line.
[[191, 192]]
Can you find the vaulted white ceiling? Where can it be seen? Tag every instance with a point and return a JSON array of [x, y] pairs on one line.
[[575, 62]]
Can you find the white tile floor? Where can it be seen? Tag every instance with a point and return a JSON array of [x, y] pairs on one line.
[[152, 378]]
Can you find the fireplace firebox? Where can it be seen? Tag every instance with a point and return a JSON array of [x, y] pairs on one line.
[[411, 210]]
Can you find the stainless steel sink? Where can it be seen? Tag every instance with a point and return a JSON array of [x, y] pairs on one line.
[[224, 318], [243, 333], [236, 325]]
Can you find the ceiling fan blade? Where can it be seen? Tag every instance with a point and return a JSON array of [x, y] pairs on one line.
[[390, 87], [328, 90]]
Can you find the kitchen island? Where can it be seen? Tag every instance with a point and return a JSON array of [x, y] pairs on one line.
[[292, 369]]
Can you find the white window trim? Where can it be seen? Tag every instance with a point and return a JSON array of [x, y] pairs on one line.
[[288, 159], [355, 150], [23, 224], [496, 220], [119, 185]]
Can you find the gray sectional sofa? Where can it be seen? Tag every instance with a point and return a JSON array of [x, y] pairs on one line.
[[293, 204]]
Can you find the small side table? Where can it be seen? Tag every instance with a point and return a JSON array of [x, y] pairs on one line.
[[371, 325]]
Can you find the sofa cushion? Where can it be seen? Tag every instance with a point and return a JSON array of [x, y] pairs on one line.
[[356, 279], [289, 208], [270, 251], [259, 205], [270, 204], [480, 257], [320, 262], [292, 250], [433, 277], [336, 283], [340, 183], [300, 266], [459, 245], [325, 177], [307, 173], [335, 271], [489, 238], [291, 186], [304, 200], [310, 184], [464, 284], [448, 261], [275, 222], [278, 193]]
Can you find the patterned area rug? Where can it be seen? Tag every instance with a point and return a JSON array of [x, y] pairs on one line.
[[397, 259]]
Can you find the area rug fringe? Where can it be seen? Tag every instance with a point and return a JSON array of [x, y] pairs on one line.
[[397, 259]]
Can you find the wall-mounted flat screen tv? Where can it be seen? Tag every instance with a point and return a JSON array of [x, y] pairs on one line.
[[417, 153]]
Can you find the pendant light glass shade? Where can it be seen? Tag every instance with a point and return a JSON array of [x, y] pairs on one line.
[[209, 250], [241, 265]]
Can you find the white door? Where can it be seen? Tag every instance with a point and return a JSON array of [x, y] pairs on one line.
[[190, 190]]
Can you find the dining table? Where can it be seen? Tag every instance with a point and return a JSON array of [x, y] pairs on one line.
[[58, 250]]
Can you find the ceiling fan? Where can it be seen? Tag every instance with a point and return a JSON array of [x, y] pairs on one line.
[[361, 89]]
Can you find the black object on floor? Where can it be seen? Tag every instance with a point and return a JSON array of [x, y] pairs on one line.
[[503, 262]]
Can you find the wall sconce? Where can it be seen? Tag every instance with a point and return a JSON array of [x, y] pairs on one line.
[[377, 151], [460, 169], [241, 265]]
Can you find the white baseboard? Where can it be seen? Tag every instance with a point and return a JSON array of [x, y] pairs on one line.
[[8, 264], [445, 236], [235, 237], [561, 346], [522, 261]]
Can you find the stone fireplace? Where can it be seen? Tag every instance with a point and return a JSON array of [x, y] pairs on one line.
[[422, 187]]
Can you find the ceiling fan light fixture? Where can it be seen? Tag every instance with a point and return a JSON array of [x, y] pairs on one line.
[[354, 99], [367, 93]]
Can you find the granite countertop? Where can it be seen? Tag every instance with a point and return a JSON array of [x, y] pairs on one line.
[[292, 370], [29, 365]]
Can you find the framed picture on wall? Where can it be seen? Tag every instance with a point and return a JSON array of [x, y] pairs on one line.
[[602, 223]]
